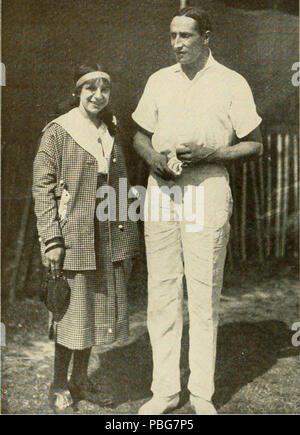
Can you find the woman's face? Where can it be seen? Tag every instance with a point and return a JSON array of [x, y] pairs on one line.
[[94, 96]]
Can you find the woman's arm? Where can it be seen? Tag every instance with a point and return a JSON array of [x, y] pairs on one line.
[[44, 185]]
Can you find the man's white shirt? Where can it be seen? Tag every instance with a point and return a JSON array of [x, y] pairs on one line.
[[210, 109]]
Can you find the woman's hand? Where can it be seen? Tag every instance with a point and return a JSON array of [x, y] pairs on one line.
[[54, 260], [191, 153]]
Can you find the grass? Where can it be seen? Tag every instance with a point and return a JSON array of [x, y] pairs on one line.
[[257, 369]]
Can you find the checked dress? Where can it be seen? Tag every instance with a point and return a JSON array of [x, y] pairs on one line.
[[95, 251]]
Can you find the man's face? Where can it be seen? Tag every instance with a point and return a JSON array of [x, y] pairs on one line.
[[187, 43]]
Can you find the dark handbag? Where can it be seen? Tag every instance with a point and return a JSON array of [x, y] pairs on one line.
[[56, 294]]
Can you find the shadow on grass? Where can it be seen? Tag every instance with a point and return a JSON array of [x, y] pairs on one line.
[[245, 351], [126, 371]]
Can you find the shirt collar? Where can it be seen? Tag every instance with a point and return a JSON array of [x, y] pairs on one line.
[[210, 62]]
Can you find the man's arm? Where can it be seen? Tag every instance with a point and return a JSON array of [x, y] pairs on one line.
[[249, 147], [158, 162]]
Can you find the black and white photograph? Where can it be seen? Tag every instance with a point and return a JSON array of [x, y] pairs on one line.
[[150, 210]]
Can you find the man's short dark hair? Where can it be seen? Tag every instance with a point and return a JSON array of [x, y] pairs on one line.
[[198, 14]]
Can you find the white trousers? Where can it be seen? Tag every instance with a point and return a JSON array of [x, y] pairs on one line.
[[173, 250]]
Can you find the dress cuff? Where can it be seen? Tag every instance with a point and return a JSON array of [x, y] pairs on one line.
[[59, 240], [54, 246]]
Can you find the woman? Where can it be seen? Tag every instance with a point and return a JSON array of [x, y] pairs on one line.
[[80, 152]]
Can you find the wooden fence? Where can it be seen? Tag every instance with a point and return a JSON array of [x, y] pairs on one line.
[[266, 201]]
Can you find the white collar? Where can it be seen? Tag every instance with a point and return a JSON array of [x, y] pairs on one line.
[[209, 63], [80, 129]]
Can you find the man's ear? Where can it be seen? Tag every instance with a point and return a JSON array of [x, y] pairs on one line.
[[206, 36]]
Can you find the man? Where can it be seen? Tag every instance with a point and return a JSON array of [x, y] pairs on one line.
[[208, 113]]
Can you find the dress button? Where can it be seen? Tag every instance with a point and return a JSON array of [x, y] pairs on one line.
[[114, 160], [121, 227], [110, 330]]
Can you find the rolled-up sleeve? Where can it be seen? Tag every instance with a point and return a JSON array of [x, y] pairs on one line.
[[44, 185], [243, 113], [146, 113]]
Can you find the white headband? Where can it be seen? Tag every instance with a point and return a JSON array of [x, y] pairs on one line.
[[91, 76]]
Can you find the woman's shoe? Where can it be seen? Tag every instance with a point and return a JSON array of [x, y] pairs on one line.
[[60, 400], [90, 392]]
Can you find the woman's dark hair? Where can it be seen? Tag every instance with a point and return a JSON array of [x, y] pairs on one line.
[[106, 114], [198, 14], [85, 68]]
